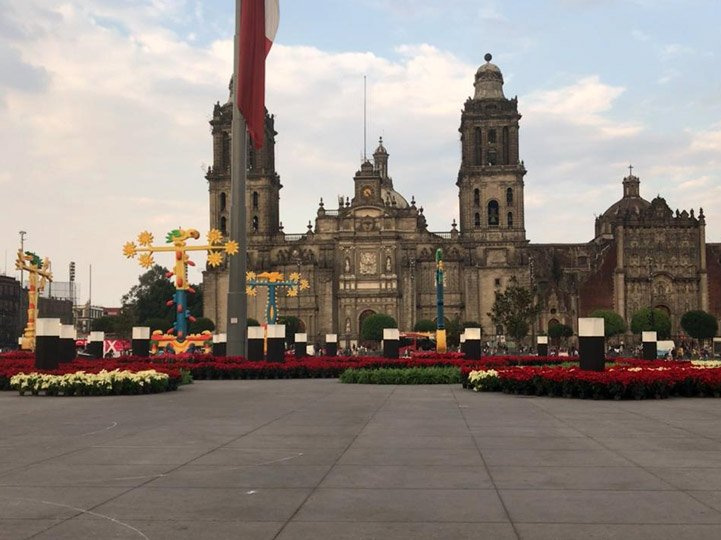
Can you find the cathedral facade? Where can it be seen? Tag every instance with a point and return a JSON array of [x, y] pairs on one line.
[[373, 253]]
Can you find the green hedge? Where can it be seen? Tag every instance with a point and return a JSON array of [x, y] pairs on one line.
[[420, 375]]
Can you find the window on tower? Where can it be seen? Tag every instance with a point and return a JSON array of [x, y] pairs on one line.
[[492, 157], [223, 201], [255, 199], [476, 197], [510, 220], [477, 146], [493, 214], [509, 196], [225, 152], [491, 136], [255, 224], [477, 220], [223, 225], [506, 146]]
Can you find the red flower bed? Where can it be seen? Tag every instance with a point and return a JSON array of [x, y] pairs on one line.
[[8, 368], [636, 380], [210, 367]]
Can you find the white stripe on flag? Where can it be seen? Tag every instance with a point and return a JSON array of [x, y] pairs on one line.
[[272, 17]]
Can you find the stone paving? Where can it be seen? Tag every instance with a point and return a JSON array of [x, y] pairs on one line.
[[313, 459]]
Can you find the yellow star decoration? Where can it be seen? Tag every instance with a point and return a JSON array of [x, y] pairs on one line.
[[304, 284], [215, 258], [293, 292], [249, 275], [295, 276], [129, 250], [251, 291], [214, 237], [146, 260], [145, 238], [231, 247]]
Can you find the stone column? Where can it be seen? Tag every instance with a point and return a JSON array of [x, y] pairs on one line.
[[591, 343], [331, 344], [391, 342], [140, 343], [220, 342], [47, 343], [276, 342], [95, 344], [542, 345], [301, 344], [473, 343], [650, 347], [256, 335]]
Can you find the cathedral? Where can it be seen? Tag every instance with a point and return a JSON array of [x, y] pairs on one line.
[[373, 253]]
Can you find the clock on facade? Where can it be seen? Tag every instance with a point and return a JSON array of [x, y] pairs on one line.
[[367, 191]]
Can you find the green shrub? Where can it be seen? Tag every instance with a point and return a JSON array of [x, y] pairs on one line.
[[419, 375]]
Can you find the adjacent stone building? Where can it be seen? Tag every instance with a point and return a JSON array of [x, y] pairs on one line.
[[373, 253]]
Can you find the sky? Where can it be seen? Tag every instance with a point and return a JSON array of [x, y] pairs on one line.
[[104, 110]]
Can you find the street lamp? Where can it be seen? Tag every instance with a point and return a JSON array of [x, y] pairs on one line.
[[22, 249]]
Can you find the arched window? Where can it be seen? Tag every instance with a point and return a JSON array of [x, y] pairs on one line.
[[225, 152], [509, 196], [477, 220], [491, 136], [223, 225], [255, 199], [255, 224], [223, 201], [493, 214], [492, 157], [476, 197], [510, 220], [477, 145], [506, 146]]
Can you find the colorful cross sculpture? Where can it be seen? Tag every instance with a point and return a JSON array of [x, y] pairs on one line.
[[440, 320], [181, 341], [39, 274], [274, 280]]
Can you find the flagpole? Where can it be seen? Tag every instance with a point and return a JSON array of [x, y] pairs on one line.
[[237, 299]]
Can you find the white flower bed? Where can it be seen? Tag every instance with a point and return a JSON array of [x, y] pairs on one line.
[[104, 383]]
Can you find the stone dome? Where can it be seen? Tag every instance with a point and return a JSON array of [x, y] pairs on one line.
[[630, 203], [489, 81]]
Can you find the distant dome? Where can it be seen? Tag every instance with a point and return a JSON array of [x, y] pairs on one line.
[[631, 203], [381, 149], [391, 195], [489, 81]]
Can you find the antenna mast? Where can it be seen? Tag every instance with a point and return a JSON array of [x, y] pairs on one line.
[[365, 131]]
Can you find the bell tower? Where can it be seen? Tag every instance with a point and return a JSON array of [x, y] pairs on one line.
[[490, 179], [263, 183]]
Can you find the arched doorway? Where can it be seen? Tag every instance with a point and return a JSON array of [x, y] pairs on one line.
[[363, 316]]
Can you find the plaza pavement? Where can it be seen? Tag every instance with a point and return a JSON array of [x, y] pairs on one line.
[[315, 459]]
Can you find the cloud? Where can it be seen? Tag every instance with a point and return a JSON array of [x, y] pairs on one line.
[[106, 131]]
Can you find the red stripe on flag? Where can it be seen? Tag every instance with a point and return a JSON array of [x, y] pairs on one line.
[[253, 48]]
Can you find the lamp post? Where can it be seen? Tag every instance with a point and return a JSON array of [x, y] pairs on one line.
[[22, 249]]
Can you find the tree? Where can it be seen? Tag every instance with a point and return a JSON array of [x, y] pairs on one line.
[[373, 325], [559, 331], [292, 327], [158, 323], [120, 326], [201, 324], [148, 299], [453, 332], [252, 322], [699, 325], [651, 320], [514, 309], [613, 323], [424, 325]]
